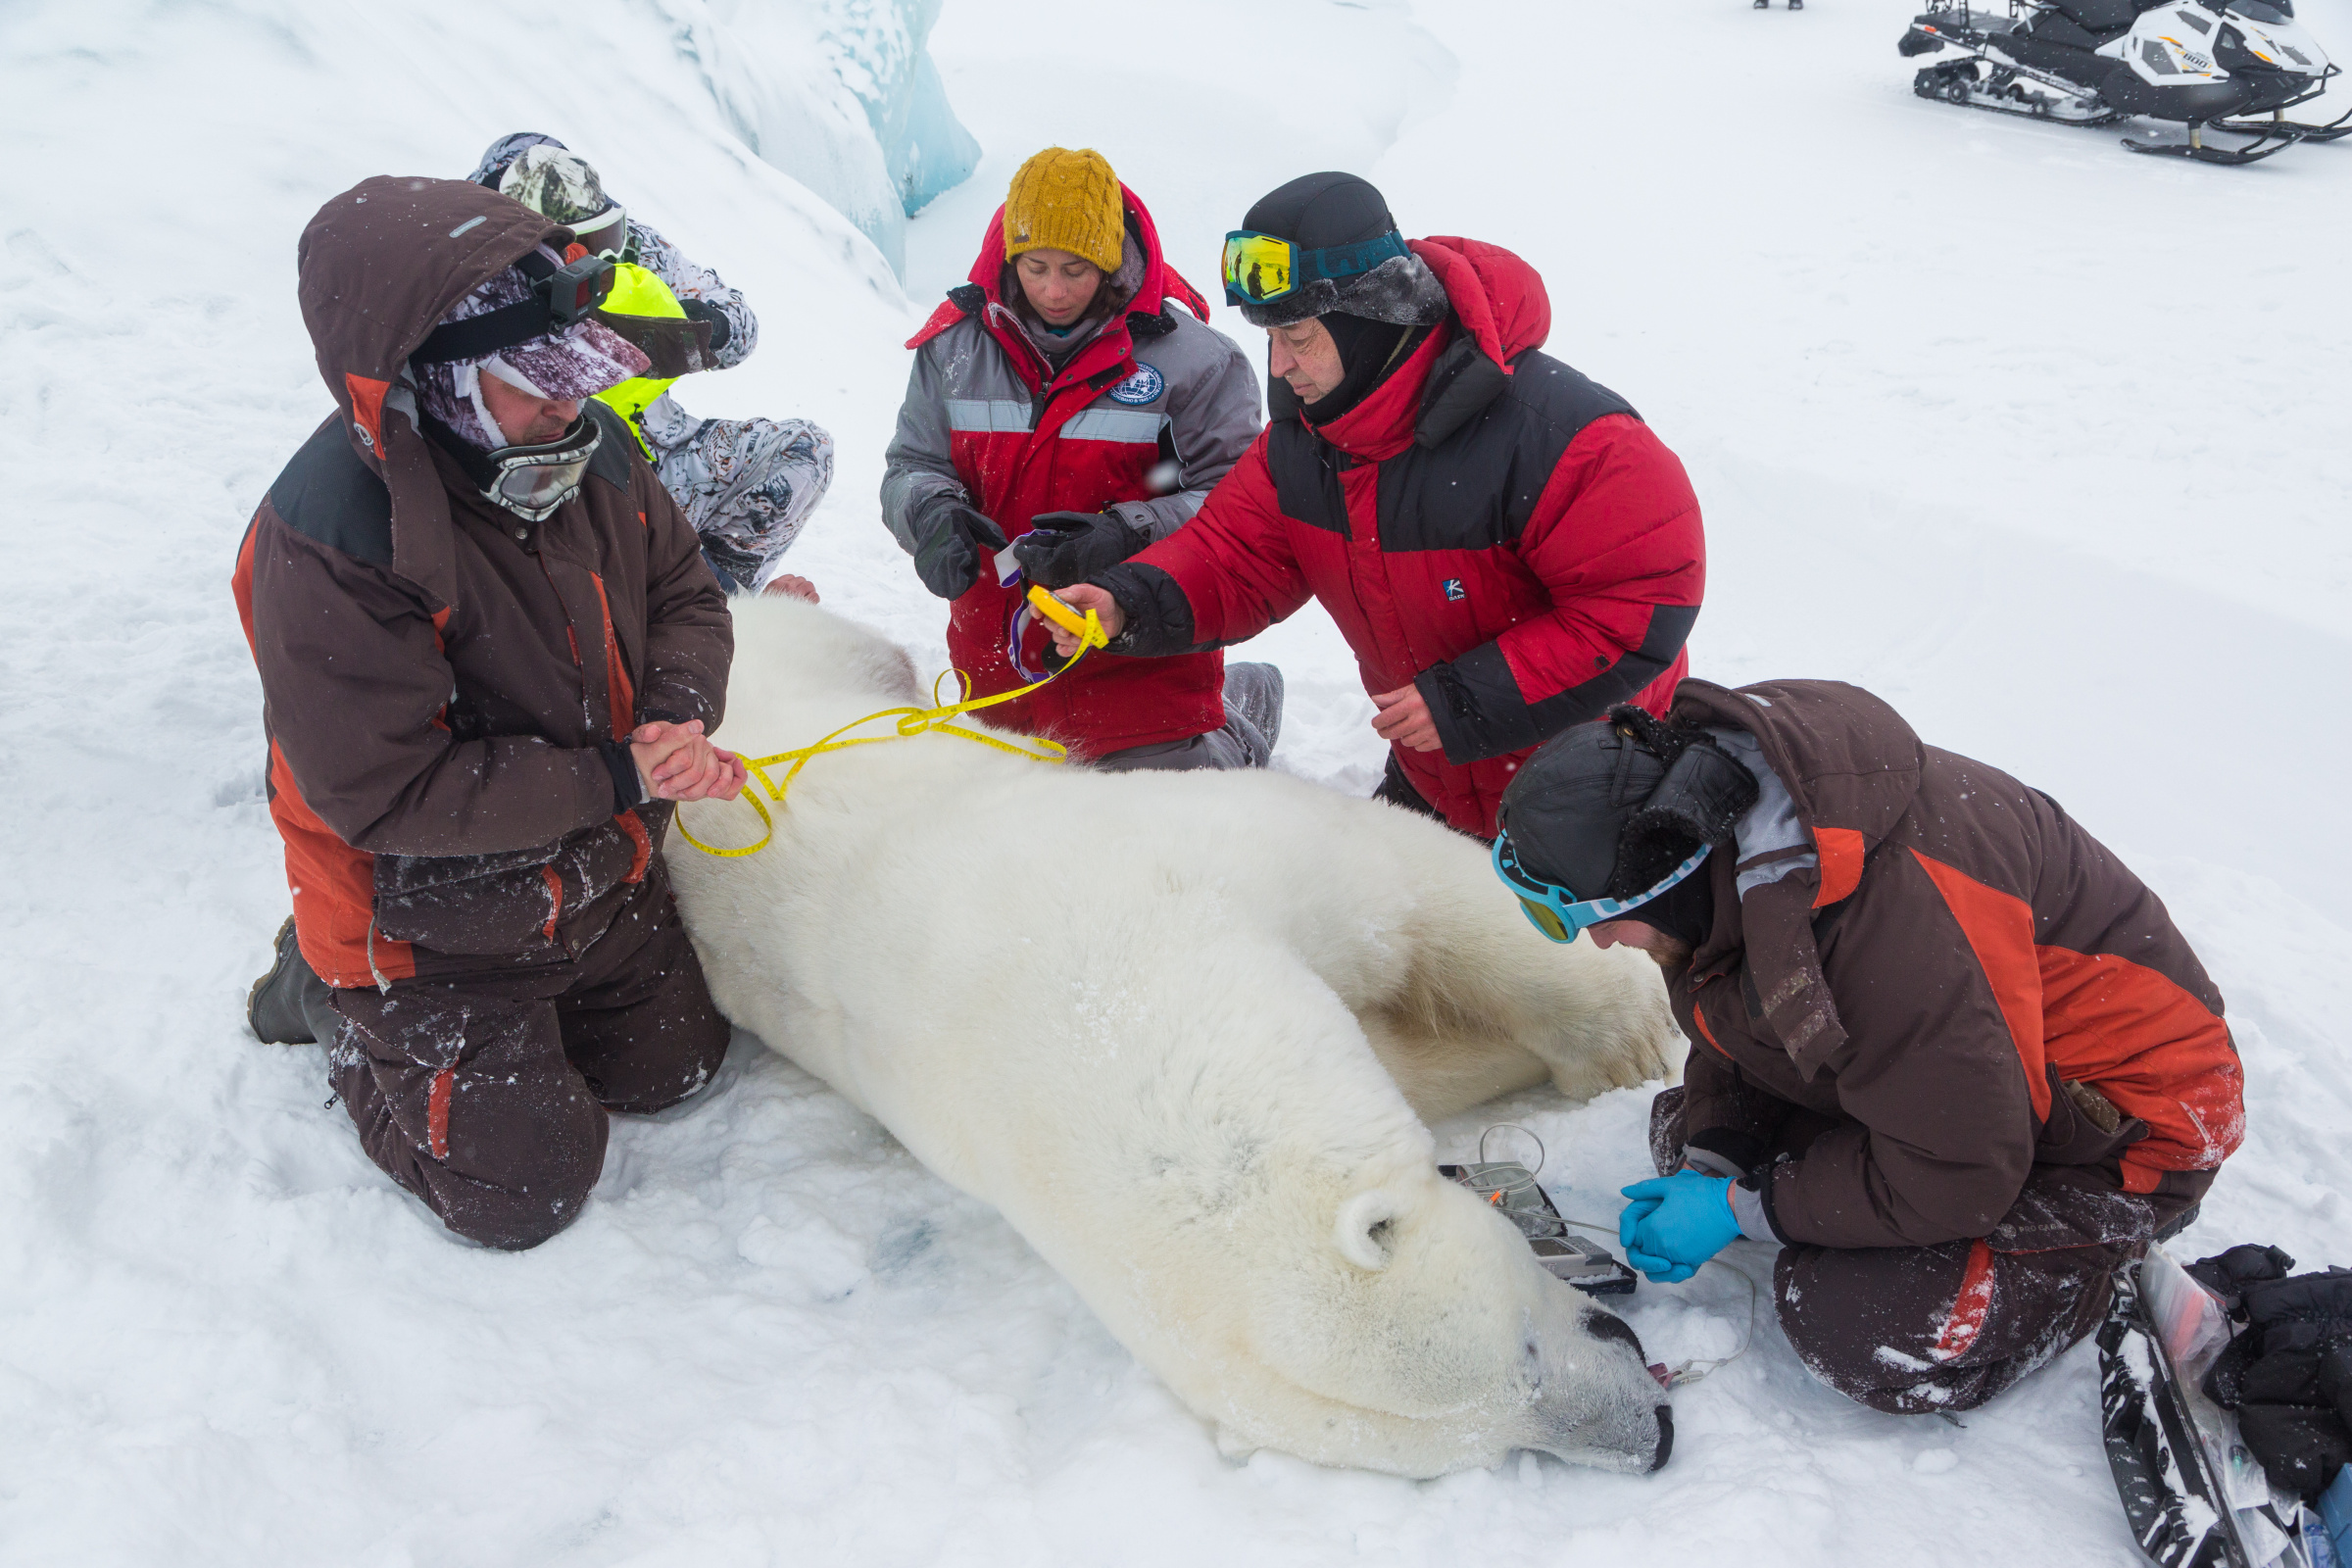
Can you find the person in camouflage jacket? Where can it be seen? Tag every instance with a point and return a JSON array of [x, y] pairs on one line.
[[748, 487]]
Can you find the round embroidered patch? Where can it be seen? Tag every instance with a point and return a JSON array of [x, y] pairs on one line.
[[1144, 386]]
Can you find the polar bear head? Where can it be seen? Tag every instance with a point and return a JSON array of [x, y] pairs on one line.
[[1432, 1319], [1396, 1321]]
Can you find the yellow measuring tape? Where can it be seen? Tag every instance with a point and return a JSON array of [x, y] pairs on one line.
[[914, 721]]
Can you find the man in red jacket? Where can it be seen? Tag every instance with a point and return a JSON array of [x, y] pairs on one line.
[[1505, 545]]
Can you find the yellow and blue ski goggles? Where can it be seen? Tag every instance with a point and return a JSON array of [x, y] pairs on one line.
[[1259, 268], [1557, 912]]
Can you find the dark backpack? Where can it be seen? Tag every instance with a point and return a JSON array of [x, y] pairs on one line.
[[2288, 1373]]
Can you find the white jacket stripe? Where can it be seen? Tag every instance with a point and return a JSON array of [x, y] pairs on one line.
[[1140, 425], [987, 414]]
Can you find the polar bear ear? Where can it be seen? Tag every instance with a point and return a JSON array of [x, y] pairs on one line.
[[1361, 1232]]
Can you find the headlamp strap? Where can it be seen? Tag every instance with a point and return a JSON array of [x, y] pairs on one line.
[[559, 297]]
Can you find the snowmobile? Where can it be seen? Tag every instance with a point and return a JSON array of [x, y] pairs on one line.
[[2211, 65]]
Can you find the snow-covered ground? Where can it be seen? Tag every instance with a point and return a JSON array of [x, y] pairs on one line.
[[2040, 440]]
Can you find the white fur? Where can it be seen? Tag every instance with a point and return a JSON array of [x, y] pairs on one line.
[[1146, 1016]]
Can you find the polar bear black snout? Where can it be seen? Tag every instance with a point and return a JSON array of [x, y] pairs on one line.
[[1601, 1405]]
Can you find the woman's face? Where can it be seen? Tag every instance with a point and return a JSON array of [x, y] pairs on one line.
[[1057, 286]]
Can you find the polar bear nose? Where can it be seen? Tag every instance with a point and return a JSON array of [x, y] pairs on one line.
[[1610, 1329]]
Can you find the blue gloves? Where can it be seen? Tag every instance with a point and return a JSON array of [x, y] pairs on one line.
[[1675, 1223]]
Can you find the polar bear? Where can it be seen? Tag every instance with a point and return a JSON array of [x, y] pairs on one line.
[[1146, 1016]]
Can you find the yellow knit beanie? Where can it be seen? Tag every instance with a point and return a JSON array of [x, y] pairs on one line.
[[1067, 201]]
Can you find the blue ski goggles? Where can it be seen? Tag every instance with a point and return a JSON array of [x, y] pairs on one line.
[[1259, 268], [1557, 912]]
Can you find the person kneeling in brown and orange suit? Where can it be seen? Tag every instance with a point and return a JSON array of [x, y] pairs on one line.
[[1947, 1050], [490, 654]]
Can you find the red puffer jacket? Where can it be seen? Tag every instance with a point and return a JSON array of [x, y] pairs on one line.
[[988, 416], [1487, 525]]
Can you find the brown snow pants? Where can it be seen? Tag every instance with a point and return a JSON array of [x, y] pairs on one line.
[[1911, 1330], [487, 1096]]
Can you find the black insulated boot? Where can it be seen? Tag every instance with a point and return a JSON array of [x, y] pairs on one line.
[[290, 1005], [1253, 696]]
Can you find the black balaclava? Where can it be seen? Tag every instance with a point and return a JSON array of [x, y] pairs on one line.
[[1370, 352], [1685, 911], [1315, 211]]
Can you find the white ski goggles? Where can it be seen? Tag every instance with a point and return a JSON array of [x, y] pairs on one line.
[[531, 482], [605, 234]]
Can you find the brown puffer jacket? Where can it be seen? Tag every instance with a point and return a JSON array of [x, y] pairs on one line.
[[1945, 953], [445, 685]]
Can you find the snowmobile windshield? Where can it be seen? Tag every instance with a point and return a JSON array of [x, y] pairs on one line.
[[1260, 267], [1557, 911], [2257, 11], [531, 482]]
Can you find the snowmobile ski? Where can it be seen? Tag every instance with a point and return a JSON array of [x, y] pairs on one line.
[[2269, 146], [2339, 126], [2208, 65]]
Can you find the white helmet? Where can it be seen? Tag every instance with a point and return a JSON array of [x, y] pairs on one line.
[[558, 183]]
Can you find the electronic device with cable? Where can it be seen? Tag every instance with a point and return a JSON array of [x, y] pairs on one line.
[[1513, 1188]]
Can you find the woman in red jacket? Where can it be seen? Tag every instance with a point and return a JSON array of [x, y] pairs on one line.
[[1060, 399], [1505, 545]]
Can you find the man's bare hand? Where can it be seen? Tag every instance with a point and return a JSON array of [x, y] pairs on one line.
[[675, 762], [787, 586], [1403, 719], [1082, 597]]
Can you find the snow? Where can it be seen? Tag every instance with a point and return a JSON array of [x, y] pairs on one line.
[[2040, 440], [840, 94]]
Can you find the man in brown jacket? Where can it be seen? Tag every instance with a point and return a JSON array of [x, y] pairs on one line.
[[1945, 1050], [490, 652]]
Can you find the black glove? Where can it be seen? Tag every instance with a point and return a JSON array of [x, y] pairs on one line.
[[948, 535], [1066, 547], [722, 329]]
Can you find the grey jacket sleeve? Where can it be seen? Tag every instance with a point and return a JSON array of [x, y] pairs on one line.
[[1213, 414], [689, 282], [917, 463]]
